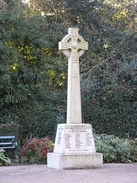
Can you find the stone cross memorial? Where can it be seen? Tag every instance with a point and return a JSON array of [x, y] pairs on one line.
[[74, 144], [73, 46]]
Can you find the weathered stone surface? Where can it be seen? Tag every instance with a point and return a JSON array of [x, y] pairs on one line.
[[73, 46], [74, 138], [74, 144], [75, 161]]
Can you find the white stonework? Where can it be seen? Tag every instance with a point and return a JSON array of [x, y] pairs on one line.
[[73, 46], [74, 144], [74, 138], [74, 161]]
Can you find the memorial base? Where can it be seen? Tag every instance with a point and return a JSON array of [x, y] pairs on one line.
[[74, 161], [74, 148]]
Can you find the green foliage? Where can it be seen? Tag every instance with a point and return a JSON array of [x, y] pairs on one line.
[[4, 160], [9, 129], [33, 73], [109, 102], [115, 149], [109, 83], [45, 106], [35, 150], [133, 149], [32, 76]]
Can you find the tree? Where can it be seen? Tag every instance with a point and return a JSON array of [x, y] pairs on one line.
[[34, 73], [29, 65]]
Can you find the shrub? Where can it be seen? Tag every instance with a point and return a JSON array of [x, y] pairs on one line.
[[115, 149], [35, 150], [133, 148], [4, 160]]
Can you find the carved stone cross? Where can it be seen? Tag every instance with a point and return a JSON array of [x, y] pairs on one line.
[[73, 46]]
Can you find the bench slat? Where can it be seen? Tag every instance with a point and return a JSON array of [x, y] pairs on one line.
[[11, 147], [9, 142], [7, 137], [6, 143]]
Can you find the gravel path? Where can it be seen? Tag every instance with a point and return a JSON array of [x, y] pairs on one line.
[[110, 173]]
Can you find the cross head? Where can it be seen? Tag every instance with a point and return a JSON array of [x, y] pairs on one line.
[[73, 45]]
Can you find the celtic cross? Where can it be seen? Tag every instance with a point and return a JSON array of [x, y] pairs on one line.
[[73, 46]]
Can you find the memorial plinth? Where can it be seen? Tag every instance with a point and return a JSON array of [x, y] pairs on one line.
[[74, 148], [74, 144]]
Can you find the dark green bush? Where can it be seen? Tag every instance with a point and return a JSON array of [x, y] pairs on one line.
[[115, 149], [33, 72], [133, 149]]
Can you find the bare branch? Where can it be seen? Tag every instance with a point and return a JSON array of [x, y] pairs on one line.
[[100, 64]]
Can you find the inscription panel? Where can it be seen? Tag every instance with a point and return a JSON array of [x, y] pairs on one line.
[[79, 139], [74, 138], [59, 139], [67, 141], [60, 135]]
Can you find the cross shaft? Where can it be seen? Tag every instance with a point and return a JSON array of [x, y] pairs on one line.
[[73, 46]]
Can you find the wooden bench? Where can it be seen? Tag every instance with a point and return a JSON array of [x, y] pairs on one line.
[[9, 142]]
